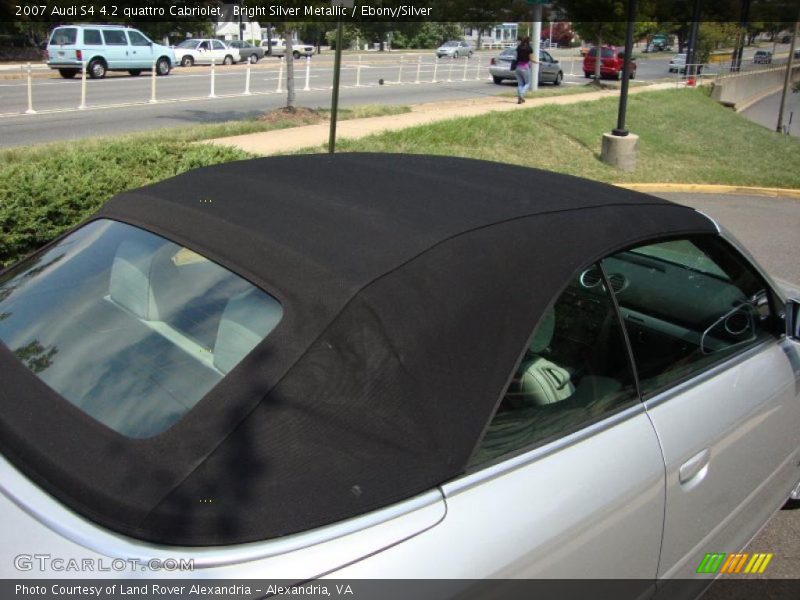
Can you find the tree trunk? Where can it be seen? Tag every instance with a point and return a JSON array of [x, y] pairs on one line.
[[480, 39], [289, 72], [598, 59]]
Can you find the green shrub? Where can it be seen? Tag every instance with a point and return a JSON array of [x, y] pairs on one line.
[[43, 194]]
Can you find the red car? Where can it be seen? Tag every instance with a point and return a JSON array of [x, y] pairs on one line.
[[611, 61]]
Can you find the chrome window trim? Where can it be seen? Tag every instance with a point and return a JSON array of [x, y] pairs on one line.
[[63, 521], [518, 461], [695, 379]]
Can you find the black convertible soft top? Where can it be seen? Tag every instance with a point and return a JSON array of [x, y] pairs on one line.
[[410, 286]]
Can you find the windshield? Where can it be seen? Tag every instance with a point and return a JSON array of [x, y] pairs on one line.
[[129, 327], [64, 36], [187, 44]]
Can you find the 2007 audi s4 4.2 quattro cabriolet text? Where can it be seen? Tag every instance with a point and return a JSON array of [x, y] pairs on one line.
[[347, 365]]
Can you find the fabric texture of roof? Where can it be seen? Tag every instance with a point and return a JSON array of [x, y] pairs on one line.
[[410, 287]]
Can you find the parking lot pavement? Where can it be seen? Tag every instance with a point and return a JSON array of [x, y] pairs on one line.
[[768, 228]]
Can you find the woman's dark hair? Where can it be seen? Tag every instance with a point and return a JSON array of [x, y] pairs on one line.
[[526, 40]]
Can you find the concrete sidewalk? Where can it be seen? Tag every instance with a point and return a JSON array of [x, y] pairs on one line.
[[296, 138]]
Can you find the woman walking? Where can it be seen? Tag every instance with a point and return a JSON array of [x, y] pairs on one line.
[[523, 70]]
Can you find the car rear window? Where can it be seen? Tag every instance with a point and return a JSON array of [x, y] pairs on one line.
[[64, 36], [129, 327], [92, 36]]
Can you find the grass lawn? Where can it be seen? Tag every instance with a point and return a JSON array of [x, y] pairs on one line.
[[685, 137], [49, 188]]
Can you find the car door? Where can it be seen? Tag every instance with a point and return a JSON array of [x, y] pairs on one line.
[[720, 383], [116, 48], [141, 50], [220, 51], [568, 478], [547, 69]]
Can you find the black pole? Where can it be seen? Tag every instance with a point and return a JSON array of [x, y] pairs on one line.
[[337, 64], [693, 35], [269, 39], [623, 94]]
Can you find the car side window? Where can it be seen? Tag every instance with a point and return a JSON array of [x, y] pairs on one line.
[[137, 39], [115, 37], [687, 304], [91, 37], [575, 370], [546, 57], [218, 45]]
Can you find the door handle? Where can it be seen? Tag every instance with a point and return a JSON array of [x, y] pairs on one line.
[[694, 466]]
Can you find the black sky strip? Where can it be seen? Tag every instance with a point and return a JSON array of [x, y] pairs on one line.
[[409, 284], [389, 11]]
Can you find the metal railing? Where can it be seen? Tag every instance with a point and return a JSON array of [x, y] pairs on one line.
[[395, 69]]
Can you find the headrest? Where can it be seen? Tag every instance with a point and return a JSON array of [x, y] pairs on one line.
[[544, 332], [246, 320], [130, 285]]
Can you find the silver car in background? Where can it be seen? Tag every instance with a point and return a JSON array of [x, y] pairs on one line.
[[454, 49], [549, 67]]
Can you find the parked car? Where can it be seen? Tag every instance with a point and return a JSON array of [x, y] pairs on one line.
[[298, 48], [659, 43], [247, 51], [454, 49], [677, 64], [358, 362], [549, 68], [797, 53], [200, 51], [762, 57], [611, 63], [105, 48]]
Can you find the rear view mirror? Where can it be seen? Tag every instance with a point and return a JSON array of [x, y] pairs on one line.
[[793, 318]]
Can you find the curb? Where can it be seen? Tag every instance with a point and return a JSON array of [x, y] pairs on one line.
[[702, 188]]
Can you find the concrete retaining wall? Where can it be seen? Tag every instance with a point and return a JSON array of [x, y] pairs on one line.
[[743, 89]]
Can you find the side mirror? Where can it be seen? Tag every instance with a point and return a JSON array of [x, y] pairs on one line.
[[555, 61], [792, 312]]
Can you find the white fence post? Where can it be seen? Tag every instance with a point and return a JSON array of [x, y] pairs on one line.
[[358, 72], [153, 99], [435, 70], [477, 69], [30, 110], [247, 79], [280, 78], [83, 85], [419, 68], [400, 72], [213, 74], [308, 74], [450, 71], [466, 66]]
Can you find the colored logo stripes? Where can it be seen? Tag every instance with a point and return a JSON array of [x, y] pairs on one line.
[[741, 562]]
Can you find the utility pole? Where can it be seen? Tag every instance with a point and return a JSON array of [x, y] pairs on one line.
[[691, 51], [787, 78], [337, 67], [536, 42]]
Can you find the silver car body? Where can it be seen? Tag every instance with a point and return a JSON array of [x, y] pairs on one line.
[[640, 494], [203, 51], [454, 49], [549, 68]]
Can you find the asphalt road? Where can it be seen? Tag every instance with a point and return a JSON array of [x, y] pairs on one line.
[[768, 228], [765, 112], [120, 104]]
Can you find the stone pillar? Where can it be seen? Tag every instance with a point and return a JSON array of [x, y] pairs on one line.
[[620, 151]]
